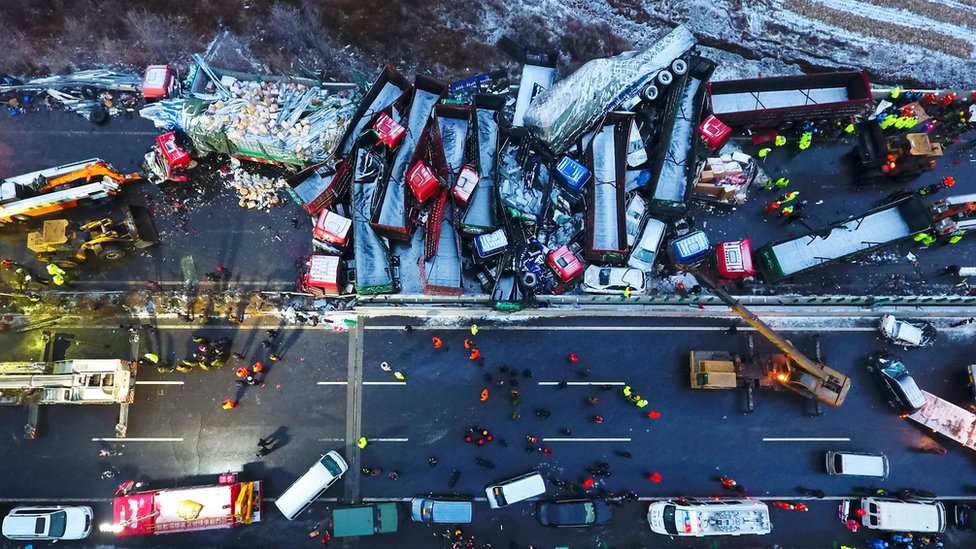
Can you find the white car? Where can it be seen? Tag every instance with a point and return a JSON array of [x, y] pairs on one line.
[[51, 522], [908, 334], [613, 280]]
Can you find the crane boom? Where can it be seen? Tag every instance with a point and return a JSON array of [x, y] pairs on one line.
[[810, 378]]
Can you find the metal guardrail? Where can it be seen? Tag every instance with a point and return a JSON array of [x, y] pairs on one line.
[[748, 300]]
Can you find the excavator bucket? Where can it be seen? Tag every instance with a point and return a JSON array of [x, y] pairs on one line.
[[142, 228]]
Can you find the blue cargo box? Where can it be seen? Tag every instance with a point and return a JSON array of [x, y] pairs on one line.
[[575, 174], [690, 249]]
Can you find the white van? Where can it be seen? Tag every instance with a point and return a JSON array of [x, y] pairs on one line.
[[515, 490], [711, 517], [895, 515], [857, 464], [645, 251], [324, 473]]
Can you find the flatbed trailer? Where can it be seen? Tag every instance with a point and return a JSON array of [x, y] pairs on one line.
[[947, 419], [872, 230], [193, 509]]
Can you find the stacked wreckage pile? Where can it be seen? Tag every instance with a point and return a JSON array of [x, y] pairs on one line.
[[525, 195]]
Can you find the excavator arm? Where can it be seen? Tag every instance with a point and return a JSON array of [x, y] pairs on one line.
[[809, 378], [94, 169]]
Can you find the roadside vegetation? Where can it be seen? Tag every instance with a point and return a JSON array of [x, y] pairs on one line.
[[339, 37]]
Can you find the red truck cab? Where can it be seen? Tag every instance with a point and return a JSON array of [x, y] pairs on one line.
[[159, 82]]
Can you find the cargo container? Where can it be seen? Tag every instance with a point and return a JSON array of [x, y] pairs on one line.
[[769, 102]]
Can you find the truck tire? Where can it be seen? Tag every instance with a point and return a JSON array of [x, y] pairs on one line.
[[99, 116], [649, 93], [529, 281], [111, 252], [679, 67], [664, 78]]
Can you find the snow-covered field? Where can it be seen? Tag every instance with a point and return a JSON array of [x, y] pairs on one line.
[[922, 42]]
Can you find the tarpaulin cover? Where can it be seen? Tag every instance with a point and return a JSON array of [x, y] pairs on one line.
[[441, 274], [672, 179], [388, 87], [454, 133], [372, 257], [480, 216], [606, 215], [391, 214], [559, 115]]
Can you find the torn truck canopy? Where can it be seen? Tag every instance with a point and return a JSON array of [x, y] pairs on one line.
[[373, 275], [389, 86], [671, 180], [606, 223], [441, 272], [480, 216], [559, 115], [538, 73]]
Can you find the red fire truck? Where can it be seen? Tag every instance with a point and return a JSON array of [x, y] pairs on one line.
[[225, 505]]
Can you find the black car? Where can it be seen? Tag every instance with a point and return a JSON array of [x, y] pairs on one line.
[[574, 512], [964, 517], [900, 389]]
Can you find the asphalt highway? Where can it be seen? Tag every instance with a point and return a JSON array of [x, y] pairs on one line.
[[178, 435]]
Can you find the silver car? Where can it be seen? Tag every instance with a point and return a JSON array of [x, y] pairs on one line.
[[613, 280]]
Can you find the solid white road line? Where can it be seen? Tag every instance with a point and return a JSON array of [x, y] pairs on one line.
[[159, 382], [144, 439], [364, 383], [632, 328], [583, 383], [577, 439], [807, 439]]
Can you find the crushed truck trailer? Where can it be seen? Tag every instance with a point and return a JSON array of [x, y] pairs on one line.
[[947, 419], [872, 230]]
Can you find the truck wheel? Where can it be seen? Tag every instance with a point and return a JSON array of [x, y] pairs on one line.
[[679, 67], [99, 116], [530, 281], [111, 252], [665, 78], [650, 93]]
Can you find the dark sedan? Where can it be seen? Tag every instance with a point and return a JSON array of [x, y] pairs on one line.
[[573, 512]]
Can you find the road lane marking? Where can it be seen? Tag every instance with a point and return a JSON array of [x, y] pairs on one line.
[[806, 439], [579, 439], [364, 383], [583, 383], [159, 382], [368, 439], [144, 439]]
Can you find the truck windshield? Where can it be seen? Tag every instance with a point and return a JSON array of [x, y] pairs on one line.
[[668, 519]]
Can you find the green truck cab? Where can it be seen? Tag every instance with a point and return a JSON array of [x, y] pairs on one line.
[[365, 520]]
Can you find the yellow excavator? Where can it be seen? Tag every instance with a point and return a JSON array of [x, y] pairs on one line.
[[58, 242]]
